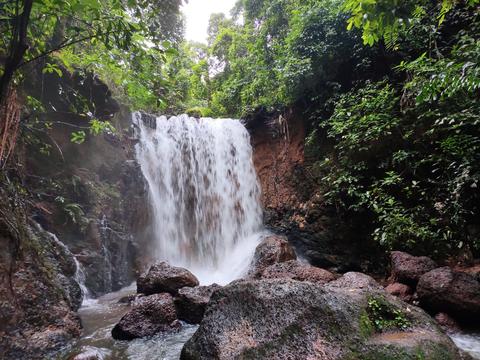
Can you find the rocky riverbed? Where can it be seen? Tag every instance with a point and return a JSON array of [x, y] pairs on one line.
[[282, 308]]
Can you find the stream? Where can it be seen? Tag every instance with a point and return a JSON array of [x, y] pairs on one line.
[[99, 317], [469, 342]]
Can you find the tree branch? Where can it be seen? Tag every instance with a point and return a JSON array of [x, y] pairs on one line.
[[57, 48]]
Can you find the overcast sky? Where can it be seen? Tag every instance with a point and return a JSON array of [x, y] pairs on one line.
[[198, 12]]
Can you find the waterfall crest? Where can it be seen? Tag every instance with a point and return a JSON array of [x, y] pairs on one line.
[[204, 193]]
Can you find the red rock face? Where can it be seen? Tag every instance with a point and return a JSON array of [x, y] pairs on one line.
[[291, 196], [278, 149], [402, 291]]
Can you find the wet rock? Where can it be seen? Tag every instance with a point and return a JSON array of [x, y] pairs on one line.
[[472, 270], [273, 249], [191, 302], [149, 315], [296, 270], [446, 290], [163, 277], [447, 323], [407, 269], [402, 291], [38, 295], [356, 281], [288, 319], [128, 299]]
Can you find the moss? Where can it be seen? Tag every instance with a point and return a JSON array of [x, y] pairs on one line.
[[199, 111], [366, 326]]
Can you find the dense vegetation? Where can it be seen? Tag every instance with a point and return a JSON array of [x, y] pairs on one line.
[[390, 90], [394, 99]]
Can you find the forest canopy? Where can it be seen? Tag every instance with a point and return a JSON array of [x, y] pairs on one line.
[[390, 91]]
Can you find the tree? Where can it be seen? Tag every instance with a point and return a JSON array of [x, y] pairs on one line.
[[33, 30], [387, 18]]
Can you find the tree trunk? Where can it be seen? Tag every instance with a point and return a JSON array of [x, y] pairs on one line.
[[18, 47]]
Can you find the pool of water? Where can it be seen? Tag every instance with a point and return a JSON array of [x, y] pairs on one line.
[[99, 316]]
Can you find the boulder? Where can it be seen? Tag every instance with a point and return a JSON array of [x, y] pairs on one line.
[[356, 281], [407, 269], [191, 302], [446, 290], [402, 291], [273, 249], [149, 315], [289, 319], [447, 323], [472, 270], [163, 277], [296, 270]]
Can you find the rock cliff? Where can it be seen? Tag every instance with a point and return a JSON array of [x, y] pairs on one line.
[[292, 194]]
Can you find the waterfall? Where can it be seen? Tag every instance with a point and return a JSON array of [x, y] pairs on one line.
[[203, 193], [80, 278], [79, 275]]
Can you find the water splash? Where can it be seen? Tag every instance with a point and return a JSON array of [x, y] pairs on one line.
[[204, 193]]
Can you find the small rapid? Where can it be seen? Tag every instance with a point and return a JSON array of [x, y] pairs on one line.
[[468, 342], [99, 317]]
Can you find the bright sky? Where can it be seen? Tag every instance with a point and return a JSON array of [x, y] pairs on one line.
[[198, 13]]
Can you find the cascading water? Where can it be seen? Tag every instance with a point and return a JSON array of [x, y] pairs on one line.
[[80, 278], [79, 275], [204, 193]]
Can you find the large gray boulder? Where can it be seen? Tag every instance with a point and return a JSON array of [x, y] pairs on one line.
[[288, 319], [273, 249], [163, 277], [455, 293], [149, 315]]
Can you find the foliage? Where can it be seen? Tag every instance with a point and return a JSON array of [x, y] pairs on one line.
[[125, 42], [72, 212], [384, 316], [388, 18], [410, 156], [393, 127], [284, 51]]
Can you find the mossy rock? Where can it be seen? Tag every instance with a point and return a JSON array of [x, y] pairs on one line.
[[282, 319]]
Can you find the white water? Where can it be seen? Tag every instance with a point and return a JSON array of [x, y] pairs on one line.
[[203, 193], [468, 342], [80, 278]]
